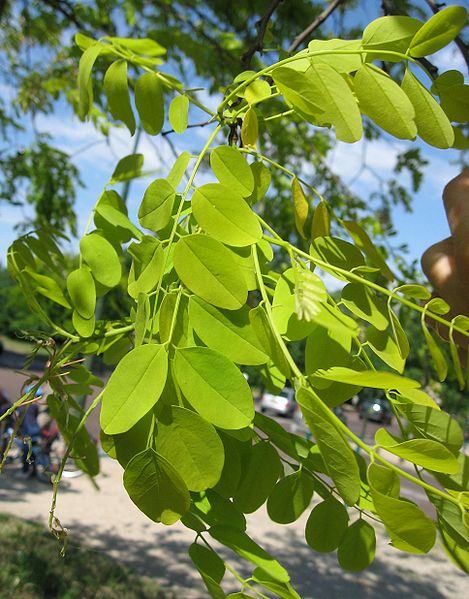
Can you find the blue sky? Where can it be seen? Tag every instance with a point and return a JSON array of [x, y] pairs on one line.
[[96, 158]]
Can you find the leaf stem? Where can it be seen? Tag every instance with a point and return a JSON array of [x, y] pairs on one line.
[[58, 476]]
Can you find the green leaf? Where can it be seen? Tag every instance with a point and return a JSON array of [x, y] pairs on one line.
[[226, 331], [261, 468], [142, 318], [83, 326], [134, 388], [286, 306], [144, 276], [179, 113], [111, 213], [343, 63], [192, 446], [250, 129], [455, 103], [310, 294], [178, 169], [297, 90], [438, 32], [47, 286], [87, 61], [214, 387], [414, 291], [384, 346], [338, 104], [145, 45], [417, 397], [262, 328], [295, 446], [437, 305], [102, 259], [357, 549], [336, 252], [231, 472], [290, 497], [438, 358], [399, 335], [391, 33], [127, 168], [382, 100], [364, 303], [156, 488], [211, 568], [262, 178], [433, 424], [363, 241], [157, 205], [433, 125], [150, 102], [424, 452], [257, 91], [283, 590], [326, 525], [320, 226], [225, 216], [214, 509], [207, 268], [335, 450], [245, 262], [232, 170], [368, 378], [246, 548], [116, 88], [409, 528], [127, 445], [300, 206]]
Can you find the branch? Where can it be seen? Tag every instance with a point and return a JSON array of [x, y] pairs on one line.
[[299, 39], [389, 8], [66, 10], [258, 44], [203, 124], [435, 6]]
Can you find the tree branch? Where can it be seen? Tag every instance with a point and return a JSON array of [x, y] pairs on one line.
[[66, 10], [203, 124], [299, 39], [389, 8], [258, 44], [463, 48]]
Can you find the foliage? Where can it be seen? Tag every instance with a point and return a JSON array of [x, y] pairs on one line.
[[209, 39], [214, 287], [34, 569]]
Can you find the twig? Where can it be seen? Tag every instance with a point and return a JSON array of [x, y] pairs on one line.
[[258, 44], [203, 124], [299, 39], [66, 10], [457, 40]]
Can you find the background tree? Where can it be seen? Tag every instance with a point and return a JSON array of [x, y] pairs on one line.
[[208, 39]]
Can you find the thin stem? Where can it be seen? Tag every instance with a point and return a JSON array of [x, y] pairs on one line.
[[268, 309], [354, 277], [120, 331], [283, 169], [300, 56], [179, 212], [58, 476]]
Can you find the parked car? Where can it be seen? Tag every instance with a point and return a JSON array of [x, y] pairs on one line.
[[283, 404], [376, 410]]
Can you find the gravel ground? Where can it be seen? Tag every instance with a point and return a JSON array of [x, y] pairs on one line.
[[108, 521]]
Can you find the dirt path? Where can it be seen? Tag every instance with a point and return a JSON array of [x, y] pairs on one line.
[[108, 521]]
